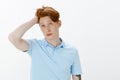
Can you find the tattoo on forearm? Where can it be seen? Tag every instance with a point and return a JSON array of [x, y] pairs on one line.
[[79, 76]]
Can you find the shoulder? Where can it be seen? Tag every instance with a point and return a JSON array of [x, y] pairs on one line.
[[71, 47], [34, 41], [68, 45]]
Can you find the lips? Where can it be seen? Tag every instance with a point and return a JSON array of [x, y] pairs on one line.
[[49, 34]]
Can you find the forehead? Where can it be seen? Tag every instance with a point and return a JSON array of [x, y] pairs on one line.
[[45, 19]]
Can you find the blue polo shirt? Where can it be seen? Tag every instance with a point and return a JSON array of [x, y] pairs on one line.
[[50, 63]]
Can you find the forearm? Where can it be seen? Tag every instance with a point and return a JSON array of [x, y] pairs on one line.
[[19, 32]]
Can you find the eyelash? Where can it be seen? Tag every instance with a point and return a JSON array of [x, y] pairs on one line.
[[50, 23], [42, 25]]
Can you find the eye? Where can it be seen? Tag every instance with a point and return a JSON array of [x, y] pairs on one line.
[[42, 25], [50, 23]]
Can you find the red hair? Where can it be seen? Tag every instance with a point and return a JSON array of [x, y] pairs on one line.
[[47, 11]]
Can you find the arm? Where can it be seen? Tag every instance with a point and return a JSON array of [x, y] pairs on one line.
[[76, 77], [15, 37]]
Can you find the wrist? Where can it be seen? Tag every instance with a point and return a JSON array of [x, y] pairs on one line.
[[34, 20]]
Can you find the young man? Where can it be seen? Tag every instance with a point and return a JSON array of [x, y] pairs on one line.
[[52, 58]]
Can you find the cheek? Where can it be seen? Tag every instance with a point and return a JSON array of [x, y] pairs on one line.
[[55, 31]]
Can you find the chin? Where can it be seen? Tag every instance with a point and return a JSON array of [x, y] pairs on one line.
[[49, 37]]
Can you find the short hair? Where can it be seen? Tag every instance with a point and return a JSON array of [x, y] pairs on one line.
[[47, 11]]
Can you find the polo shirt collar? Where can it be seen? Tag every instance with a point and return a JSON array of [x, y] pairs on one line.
[[45, 43]]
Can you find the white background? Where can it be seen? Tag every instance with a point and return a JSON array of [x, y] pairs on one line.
[[90, 25]]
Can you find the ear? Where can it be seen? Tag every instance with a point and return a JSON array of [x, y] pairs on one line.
[[59, 23]]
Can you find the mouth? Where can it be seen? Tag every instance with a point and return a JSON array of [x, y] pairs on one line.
[[49, 34]]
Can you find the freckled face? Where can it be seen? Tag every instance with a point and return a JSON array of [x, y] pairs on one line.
[[49, 28]]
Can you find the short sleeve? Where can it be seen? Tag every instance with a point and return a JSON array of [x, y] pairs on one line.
[[76, 66], [30, 42]]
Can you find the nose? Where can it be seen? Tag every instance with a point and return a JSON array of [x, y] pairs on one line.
[[48, 29]]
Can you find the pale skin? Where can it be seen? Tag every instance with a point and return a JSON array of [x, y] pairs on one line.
[[49, 29]]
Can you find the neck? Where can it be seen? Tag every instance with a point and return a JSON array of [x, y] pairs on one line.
[[54, 42]]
